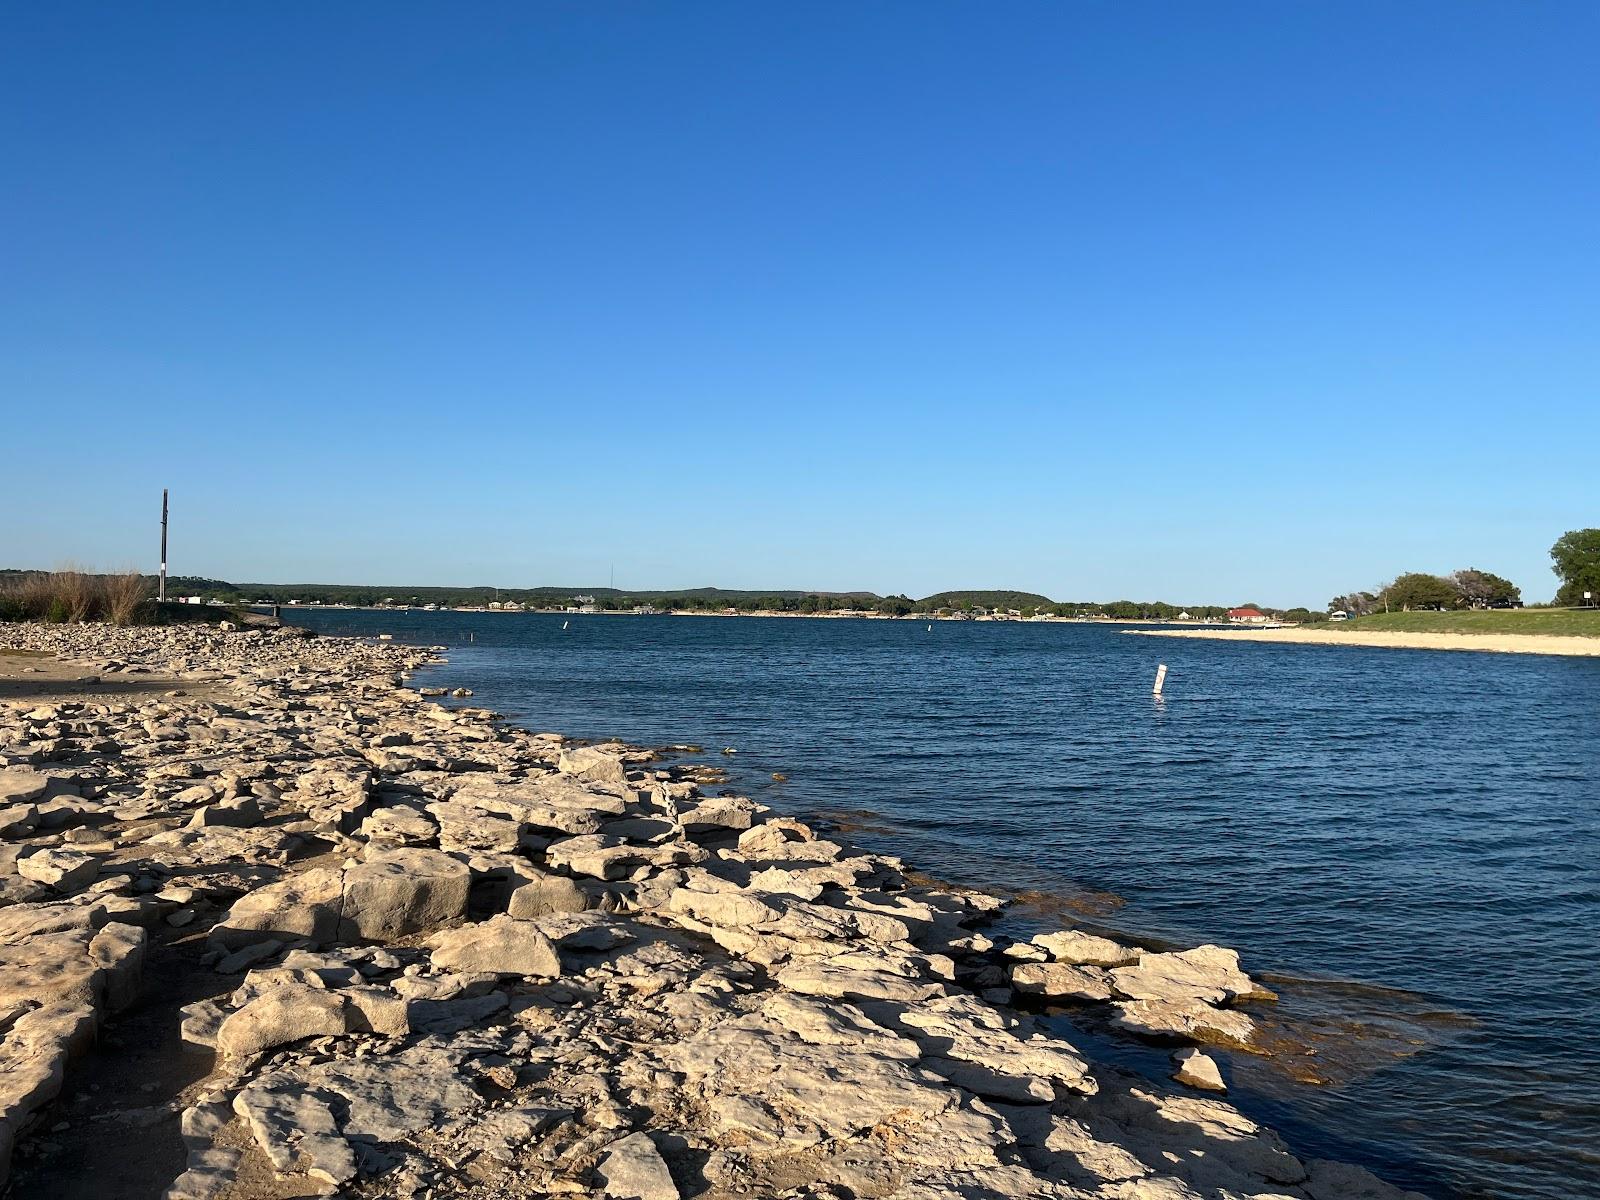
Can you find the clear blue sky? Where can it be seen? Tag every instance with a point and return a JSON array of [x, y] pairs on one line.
[[1207, 302]]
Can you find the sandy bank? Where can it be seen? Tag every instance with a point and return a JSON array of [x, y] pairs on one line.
[[1494, 643], [398, 950]]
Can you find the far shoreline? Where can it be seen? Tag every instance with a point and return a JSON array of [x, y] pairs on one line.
[[909, 618]]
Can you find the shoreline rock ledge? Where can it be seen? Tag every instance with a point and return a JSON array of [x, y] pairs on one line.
[[413, 952]]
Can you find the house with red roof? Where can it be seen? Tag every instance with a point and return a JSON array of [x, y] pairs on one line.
[[1248, 616]]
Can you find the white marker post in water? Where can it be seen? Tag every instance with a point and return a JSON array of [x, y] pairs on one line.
[[1161, 679]]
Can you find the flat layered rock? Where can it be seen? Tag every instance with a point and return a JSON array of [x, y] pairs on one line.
[[51, 967], [63, 870], [786, 840], [760, 1080], [717, 813], [545, 802], [286, 1013], [401, 824], [581, 931], [633, 1169], [19, 785], [1207, 973], [1061, 981], [33, 1062], [502, 945], [590, 765], [733, 909], [297, 1131], [845, 977], [1085, 949], [399, 892], [239, 812], [467, 827], [306, 906], [833, 1024], [1188, 1018], [977, 1047], [602, 857]]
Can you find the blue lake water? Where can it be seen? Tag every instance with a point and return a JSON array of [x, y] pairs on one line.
[[1406, 844]]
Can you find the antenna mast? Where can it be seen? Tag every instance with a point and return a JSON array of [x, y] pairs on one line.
[[161, 591]]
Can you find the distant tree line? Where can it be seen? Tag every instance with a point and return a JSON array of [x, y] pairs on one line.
[[1576, 556], [1575, 559], [1419, 591]]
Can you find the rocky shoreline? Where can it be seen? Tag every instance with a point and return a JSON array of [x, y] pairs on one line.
[[413, 952]]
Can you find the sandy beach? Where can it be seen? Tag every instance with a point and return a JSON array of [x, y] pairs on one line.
[[1493, 643]]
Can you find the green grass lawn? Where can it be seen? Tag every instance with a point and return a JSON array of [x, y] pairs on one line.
[[1559, 621]]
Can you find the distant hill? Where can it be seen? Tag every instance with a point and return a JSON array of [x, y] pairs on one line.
[[985, 599]]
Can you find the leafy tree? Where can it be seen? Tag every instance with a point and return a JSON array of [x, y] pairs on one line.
[[895, 606], [1485, 590], [1576, 556], [1422, 591]]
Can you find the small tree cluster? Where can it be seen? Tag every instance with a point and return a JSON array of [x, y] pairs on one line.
[[1419, 590], [1483, 589]]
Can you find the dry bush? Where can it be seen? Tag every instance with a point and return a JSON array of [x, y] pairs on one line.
[[124, 597], [78, 592], [32, 594], [71, 594]]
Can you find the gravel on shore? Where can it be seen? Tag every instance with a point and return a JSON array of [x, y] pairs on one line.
[[274, 924]]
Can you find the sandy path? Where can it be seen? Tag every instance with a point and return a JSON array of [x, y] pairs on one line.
[[1498, 643], [27, 676]]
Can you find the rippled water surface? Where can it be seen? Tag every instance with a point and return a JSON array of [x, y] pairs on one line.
[[1404, 842]]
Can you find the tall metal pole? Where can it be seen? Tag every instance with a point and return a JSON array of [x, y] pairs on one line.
[[161, 591]]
